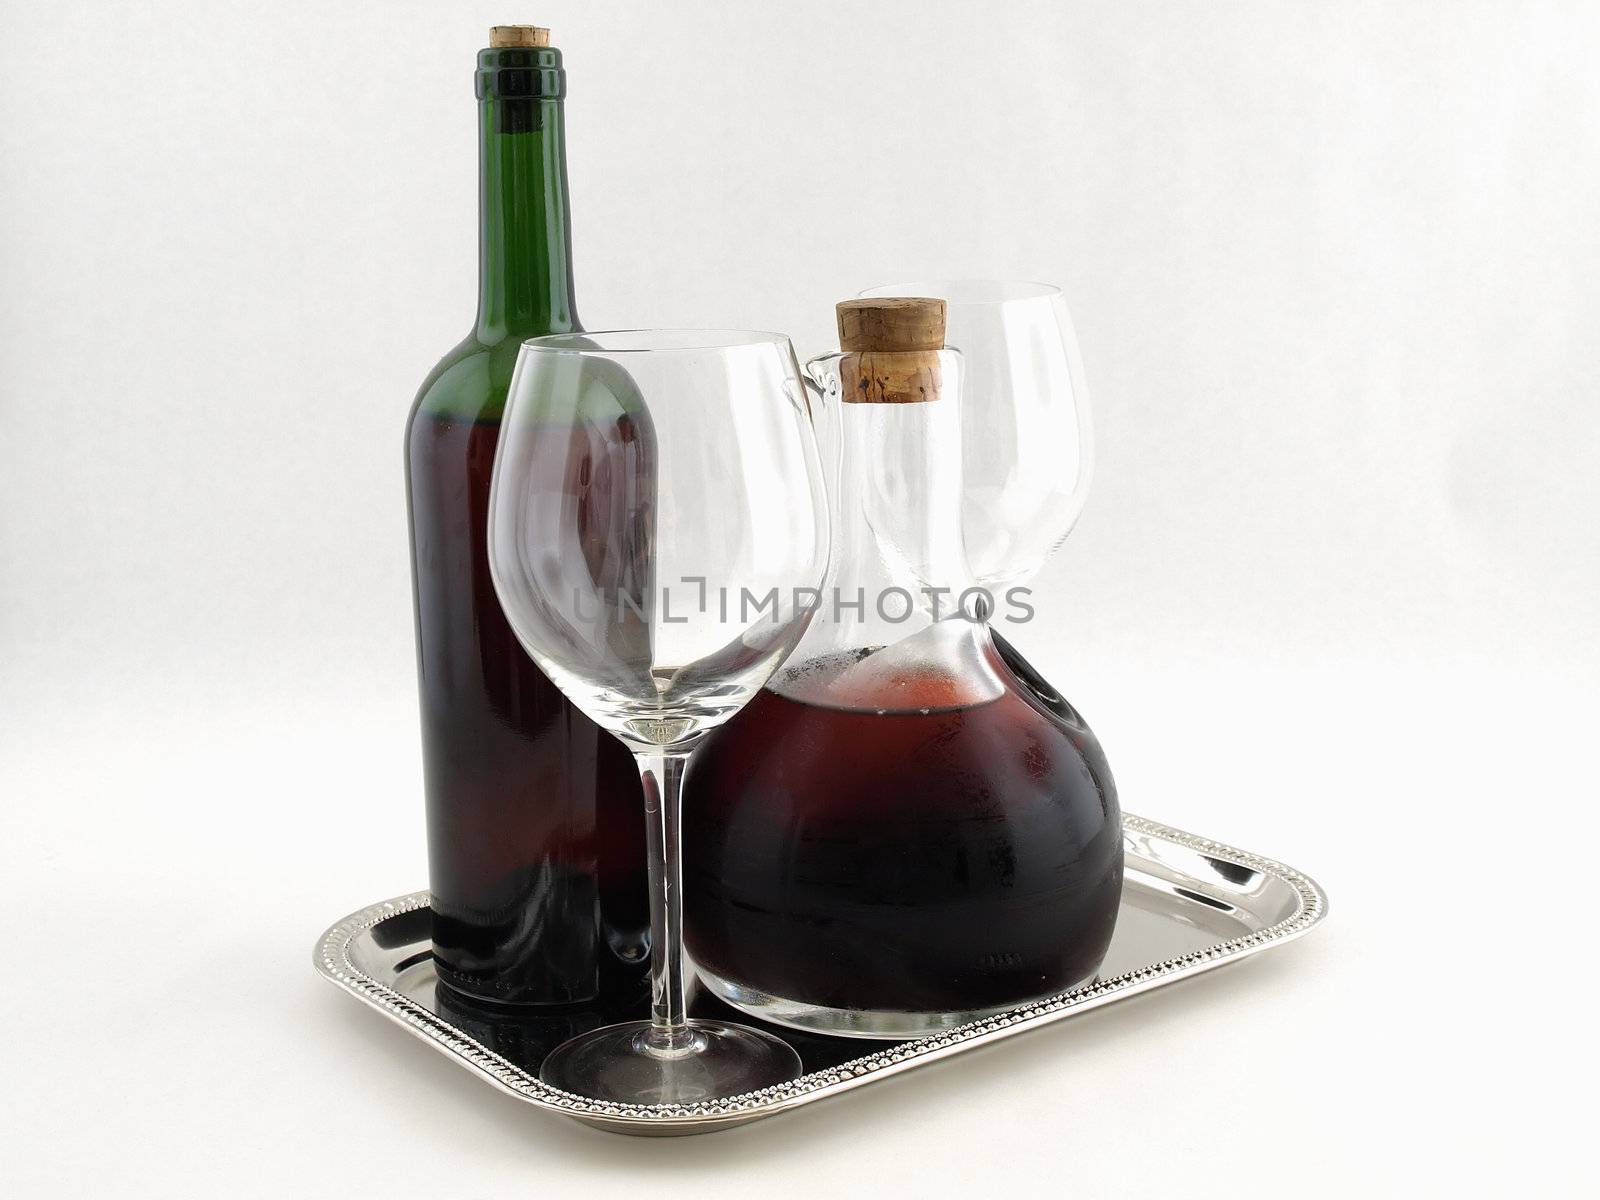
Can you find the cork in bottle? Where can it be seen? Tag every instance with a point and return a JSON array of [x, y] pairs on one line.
[[530, 37]]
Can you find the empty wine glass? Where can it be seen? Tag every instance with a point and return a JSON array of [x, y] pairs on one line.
[[1027, 453], [657, 533]]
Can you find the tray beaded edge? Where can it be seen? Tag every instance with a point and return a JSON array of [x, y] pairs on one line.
[[332, 959]]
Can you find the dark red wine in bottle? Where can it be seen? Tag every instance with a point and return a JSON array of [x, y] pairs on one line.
[[535, 839]]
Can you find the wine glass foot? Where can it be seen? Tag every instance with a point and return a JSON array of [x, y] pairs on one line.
[[618, 1064]]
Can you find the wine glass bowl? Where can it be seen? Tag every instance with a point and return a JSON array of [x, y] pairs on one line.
[[1027, 448], [640, 562], [657, 535]]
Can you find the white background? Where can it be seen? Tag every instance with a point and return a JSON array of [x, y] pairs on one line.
[[1336, 273]]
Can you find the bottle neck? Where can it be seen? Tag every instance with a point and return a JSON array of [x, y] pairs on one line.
[[524, 239]]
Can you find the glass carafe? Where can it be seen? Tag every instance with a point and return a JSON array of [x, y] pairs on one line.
[[906, 829]]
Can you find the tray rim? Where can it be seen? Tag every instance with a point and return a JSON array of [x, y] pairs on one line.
[[332, 961]]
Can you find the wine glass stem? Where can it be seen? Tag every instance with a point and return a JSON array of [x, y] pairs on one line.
[[662, 775]]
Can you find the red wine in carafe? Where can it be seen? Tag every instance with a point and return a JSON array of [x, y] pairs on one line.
[[902, 851]]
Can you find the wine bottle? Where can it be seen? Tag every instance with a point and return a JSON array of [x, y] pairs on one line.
[[535, 844]]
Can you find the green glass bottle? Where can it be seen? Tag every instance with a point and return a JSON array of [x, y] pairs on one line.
[[535, 839]]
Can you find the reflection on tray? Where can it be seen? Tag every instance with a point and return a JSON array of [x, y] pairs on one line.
[[1159, 919], [524, 1038]]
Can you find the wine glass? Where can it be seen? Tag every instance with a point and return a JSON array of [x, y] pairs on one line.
[[1027, 451], [656, 522]]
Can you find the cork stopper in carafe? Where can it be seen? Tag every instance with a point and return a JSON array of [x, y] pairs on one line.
[[891, 349]]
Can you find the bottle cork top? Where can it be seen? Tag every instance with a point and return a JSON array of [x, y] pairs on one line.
[[890, 324], [527, 36]]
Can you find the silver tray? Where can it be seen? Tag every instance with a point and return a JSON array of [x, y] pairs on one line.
[[1188, 905]]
